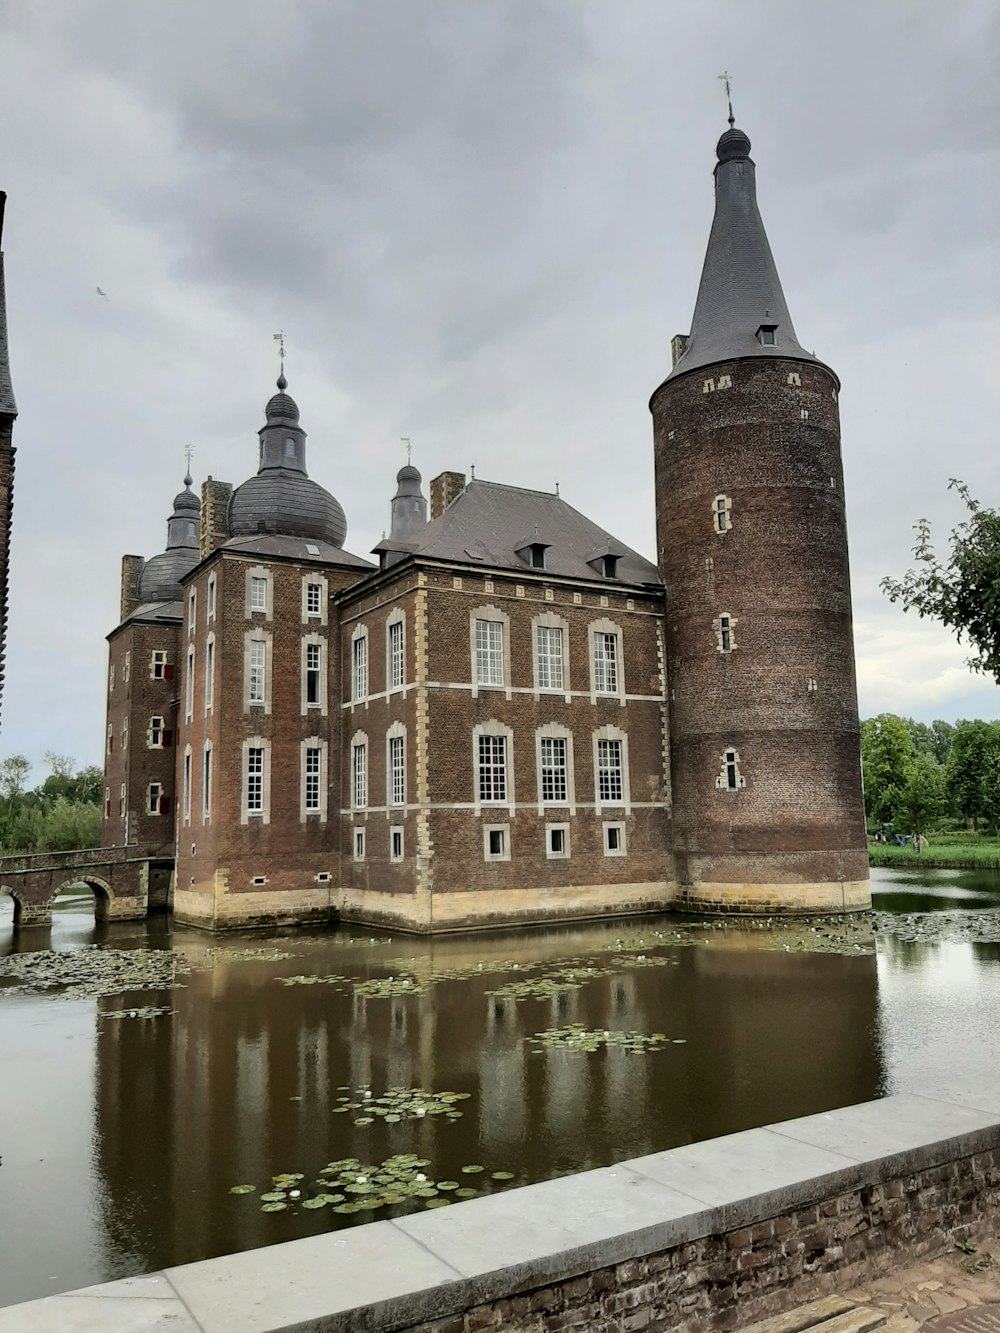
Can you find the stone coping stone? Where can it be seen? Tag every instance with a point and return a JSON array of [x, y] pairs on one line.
[[391, 1274]]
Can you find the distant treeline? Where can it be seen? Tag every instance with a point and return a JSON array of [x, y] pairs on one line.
[[59, 815], [937, 778]]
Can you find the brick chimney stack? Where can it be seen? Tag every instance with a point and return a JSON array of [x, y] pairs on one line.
[[445, 487], [215, 497]]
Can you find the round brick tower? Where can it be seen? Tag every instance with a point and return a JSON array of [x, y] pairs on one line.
[[768, 814]]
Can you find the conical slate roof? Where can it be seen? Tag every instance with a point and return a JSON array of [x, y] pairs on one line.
[[740, 290]]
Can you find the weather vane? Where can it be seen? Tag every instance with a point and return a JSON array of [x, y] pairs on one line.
[[279, 338], [727, 79], [409, 447], [188, 455]]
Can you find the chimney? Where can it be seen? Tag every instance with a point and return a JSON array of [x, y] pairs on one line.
[[445, 487], [131, 573], [215, 496], [678, 346]]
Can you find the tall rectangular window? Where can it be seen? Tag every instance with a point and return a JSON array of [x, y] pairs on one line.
[[111, 677], [210, 599], [192, 610], [397, 665], [186, 789], [606, 663], [258, 592], [156, 734], [397, 771], [549, 655], [554, 769], [126, 668], [159, 665], [312, 673], [610, 789], [312, 767], [209, 674], [189, 685], [489, 652], [359, 776], [314, 599], [255, 779], [206, 784], [492, 767], [258, 658], [359, 674], [154, 794]]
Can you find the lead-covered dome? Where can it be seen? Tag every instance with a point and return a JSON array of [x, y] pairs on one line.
[[282, 498], [160, 580]]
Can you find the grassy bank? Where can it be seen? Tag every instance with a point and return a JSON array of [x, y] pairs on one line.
[[947, 851]]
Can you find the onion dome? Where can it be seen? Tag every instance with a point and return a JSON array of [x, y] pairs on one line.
[[282, 498], [160, 580]]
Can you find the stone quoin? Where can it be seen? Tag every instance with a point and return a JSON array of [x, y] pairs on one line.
[[514, 717]]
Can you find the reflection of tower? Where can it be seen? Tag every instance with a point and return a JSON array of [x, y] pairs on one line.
[[8, 411], [752, 537]]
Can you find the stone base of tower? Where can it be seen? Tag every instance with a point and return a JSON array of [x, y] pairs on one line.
[[773, 884]]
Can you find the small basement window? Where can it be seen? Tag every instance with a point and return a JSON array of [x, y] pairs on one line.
[[614, 838], [396, 844], [556, 841], [359, 844], [496, 842]]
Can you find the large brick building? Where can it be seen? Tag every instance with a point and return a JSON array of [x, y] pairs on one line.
[[513, 716]]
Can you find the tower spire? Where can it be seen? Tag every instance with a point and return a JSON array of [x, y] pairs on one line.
[[727, 79], [279, 338]]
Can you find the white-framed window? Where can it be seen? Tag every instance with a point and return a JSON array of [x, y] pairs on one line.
[[315, 593], [496, 842], [312, 674], [159, 667], [551, 636], [396, 843], [553, 769], [359, 844], [186, 786], [314, 778], [611, 776], [725, 632], [257, 661], [489, 652], [556, 842], [206, 783], [192, 609], [126, 668], [122, 797], [209, 672], [730, 778], [107, 802], [111, 738], [359, 771], [395, 650], [158, 737], [210, 599], [125, 732], [614, 837], [154, 799], [259, 592], [111, 678], [395, 765], [722, 513], [605, 662], [189, 685], [493, 770], [256, 780], [359, 664]]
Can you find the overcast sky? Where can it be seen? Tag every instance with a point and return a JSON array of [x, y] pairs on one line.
[[479, 224]]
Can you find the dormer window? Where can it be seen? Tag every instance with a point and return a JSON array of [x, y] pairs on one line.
[[767, 335], [533, 553], [610, 570]]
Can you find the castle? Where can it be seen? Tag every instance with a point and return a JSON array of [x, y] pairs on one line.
[[512, 716]]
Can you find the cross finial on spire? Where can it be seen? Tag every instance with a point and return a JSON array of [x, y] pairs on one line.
[[409, 447], [727, 79], [279, 338], [188, 455]]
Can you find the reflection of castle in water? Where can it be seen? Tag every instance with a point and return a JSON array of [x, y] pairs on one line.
[[239, 1082]]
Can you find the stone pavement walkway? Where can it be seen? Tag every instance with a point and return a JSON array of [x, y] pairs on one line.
[[956, 1293]]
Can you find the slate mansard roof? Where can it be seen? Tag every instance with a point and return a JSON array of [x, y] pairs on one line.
[[488, 524]]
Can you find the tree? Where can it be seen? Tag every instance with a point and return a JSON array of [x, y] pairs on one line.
[[964, 591], [974, 759], [943, 732], [60, 765], [887, 760], [13, 775], [923, 796]]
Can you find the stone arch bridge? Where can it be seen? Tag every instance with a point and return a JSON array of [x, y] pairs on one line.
[[127, 882]]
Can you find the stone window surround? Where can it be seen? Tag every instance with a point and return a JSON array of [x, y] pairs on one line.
[[358, 741], [722, 514], [206, 783], [722, 781], [210, 594], [612, 734], [397, 617], [731, 623], [186, 780], [493, 613], [324, 598], [192, 611], [557, 731], [397, 830], [503, 829], [314, 743], [550, 855], [358, 841], [260, 572], [396, 732], [549, 620], [189, 683], [264, 814], [154, 801], [360, 632], [321, 706], [606, 826], [493, 728], [257, 635], [209, 671], [605, 626]]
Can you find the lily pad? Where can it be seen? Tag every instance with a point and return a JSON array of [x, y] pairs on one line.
[[273, 1207], [243, 1189]]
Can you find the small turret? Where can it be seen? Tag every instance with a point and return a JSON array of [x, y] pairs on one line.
[[160, 579], [409, 507]]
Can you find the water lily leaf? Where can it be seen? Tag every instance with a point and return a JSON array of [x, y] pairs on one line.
[[243, 1189], [275, 1196], [447, 1185], [471, 1170], [437, 1203], [318, 1202], [274, 1207], [502, 1175], [466, 1194]]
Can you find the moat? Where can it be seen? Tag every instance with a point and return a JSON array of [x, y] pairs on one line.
[[376, 1074]]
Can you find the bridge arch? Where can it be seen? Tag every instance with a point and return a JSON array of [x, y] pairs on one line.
[[100, 888], [17, 900]]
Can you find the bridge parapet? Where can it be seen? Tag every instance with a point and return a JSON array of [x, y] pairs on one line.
[[120, 878]]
